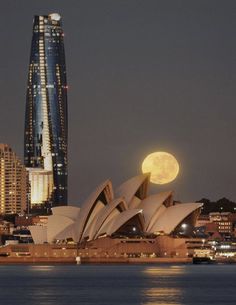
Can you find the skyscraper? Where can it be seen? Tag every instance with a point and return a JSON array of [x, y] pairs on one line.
[[13, 182], [45, 140]]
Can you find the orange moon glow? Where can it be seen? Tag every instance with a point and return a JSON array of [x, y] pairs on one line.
[[162, 166]]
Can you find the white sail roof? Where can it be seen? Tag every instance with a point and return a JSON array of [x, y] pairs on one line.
[[111, 211], [101, 196], [173, 215], [69, 211], [128, 189], [101, 214], [112, 226], [39, 234], [60, 227], [151, 205]]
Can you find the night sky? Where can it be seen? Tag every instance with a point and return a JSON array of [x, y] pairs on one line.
[[143, 76]]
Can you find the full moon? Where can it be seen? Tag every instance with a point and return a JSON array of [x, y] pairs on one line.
[[162, 166]]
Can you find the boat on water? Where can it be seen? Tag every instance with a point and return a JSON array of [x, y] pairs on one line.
[[204, 255]]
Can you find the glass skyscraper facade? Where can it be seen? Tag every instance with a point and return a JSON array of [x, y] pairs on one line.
[[45, 141]]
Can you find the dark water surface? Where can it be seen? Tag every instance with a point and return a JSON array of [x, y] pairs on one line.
[[118, 284]]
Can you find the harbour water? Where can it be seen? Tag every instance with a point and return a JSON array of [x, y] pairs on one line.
[[118, 284]]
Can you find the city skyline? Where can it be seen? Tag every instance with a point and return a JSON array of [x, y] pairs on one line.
[[131, 104], [45, 143], [142, 78]]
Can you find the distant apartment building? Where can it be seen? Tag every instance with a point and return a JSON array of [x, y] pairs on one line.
[[202, 220], [220, 223], [13, 182], [224, 221], [5, 227]]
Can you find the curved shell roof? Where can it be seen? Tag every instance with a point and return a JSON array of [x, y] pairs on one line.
[[151, 205], [173, 216], [129, 188], [39, 234], [155, 218], [93, 205], [109, 212], [60, 227], [104, 216], [113, 225], [67, 211]]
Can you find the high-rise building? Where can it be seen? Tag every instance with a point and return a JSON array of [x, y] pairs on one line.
[[13, 182], [45, 147]]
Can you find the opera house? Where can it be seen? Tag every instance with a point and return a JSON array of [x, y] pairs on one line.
[[112, 218]]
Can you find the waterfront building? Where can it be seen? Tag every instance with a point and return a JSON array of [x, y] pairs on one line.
[[222, 223], [128, 212], [13, 182], [45, 137]]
